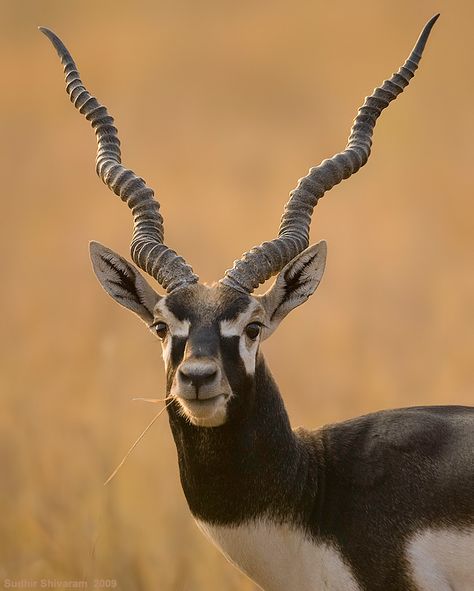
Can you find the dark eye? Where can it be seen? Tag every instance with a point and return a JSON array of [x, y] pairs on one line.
[[252, 330], [161, 329]]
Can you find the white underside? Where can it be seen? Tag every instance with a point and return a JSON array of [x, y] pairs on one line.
[[279, 558], [442, 559]]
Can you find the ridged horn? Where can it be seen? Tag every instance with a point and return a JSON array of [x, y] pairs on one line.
[[147, 247], [261, 262]]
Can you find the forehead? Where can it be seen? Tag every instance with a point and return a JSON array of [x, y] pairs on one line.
[[200, 304]]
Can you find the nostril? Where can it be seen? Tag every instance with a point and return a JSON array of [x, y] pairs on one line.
[[184, 377], [197, 377], [209, 377]]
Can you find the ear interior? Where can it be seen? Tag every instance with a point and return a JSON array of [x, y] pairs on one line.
[[293, 286], [123, 282]]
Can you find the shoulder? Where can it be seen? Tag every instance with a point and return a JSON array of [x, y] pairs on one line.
[[371, 447], [404, 428]]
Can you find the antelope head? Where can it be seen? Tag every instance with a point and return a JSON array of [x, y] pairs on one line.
[[210, 335]]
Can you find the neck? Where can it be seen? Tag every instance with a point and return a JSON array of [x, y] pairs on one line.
[[250, 467]]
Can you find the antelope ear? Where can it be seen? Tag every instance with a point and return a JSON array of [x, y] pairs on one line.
[[123, 282], [293, 286]]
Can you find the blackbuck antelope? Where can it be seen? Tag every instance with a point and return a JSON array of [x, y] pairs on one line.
[[382, 502]]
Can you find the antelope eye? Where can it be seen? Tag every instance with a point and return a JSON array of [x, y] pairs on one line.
[[252, 330], [161, 329]]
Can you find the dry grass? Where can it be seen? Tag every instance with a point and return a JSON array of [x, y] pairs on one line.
[[221, 106]]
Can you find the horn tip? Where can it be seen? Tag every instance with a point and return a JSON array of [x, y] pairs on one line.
[[46, 32], [425, 34], [422, 39], [432, 21], [56, 41]]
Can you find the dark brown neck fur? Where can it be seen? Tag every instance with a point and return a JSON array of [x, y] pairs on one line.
[[252, 466]]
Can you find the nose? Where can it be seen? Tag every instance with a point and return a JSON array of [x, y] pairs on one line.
[[197, 373]]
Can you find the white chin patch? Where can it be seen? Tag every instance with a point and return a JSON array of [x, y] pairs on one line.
[[205, 413]]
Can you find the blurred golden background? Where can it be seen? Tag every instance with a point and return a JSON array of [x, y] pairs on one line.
[[221, 106]]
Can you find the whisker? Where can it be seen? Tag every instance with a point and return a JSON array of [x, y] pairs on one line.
[[138, 441]]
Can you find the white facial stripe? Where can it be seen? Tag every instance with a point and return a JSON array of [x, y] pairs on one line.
[[248, 353], [180, 328], [177, 328], [166, 351], [235, 327]]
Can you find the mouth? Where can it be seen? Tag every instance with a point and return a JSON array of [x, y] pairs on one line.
[[201, 411], [203, 403]]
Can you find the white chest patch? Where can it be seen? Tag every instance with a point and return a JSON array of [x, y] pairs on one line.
[[442, 559], [279, 558]]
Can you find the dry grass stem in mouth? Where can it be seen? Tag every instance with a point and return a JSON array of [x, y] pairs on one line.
[[153, 400], [142, 434]]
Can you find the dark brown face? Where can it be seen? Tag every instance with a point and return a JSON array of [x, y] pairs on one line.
[[210, 335], [210, 338]]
